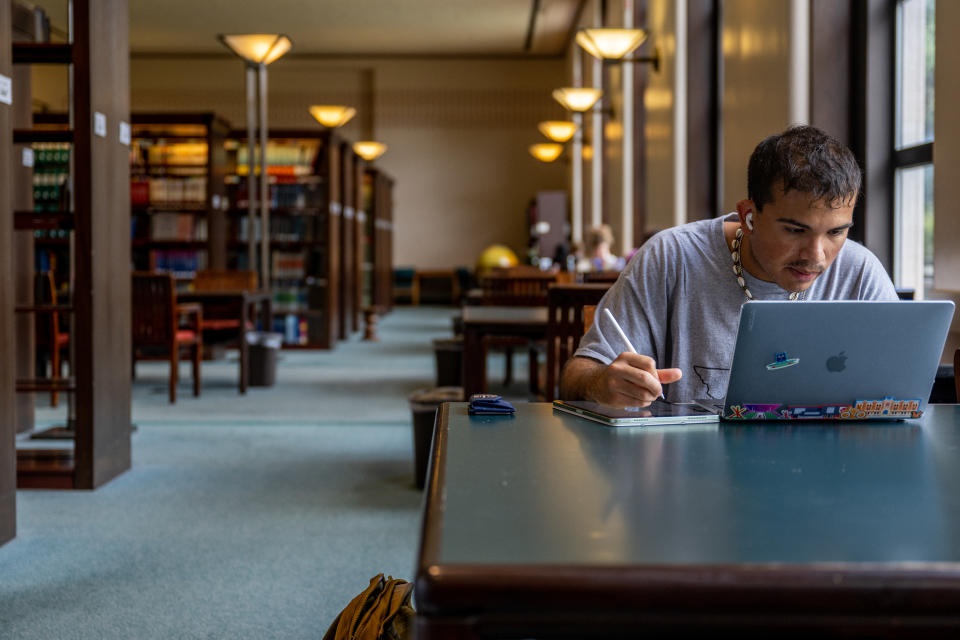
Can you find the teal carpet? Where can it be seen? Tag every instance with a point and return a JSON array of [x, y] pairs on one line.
[[254, 516]]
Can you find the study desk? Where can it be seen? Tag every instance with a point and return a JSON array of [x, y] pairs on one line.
[[235, 307], [546, 525], [482, 322]]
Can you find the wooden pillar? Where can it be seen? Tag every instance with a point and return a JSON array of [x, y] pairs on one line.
[[346, 240], [8, 458], [331, 169], [102, 324], [359, 233], [703, 109], [21, 189]]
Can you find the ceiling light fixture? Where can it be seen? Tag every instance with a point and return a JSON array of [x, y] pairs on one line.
[[258, 48], [332, 115], [558, 130], [369, 149], [610, 43], [577, 98], [546, 151], [615, 45]]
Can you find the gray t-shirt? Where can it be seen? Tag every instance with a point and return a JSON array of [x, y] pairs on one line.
[[679, 302]]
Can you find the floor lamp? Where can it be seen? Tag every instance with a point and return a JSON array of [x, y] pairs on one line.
[[258, 50]]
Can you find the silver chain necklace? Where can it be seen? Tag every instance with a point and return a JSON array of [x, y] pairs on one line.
[[738, 269]]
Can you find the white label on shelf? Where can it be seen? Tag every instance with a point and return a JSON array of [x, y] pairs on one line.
[[6, 90], [215, 201], [335, 208], [124, 133], [348, 213], [27, 157], [99, 124]]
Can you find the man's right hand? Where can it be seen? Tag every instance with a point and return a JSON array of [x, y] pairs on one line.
[[631, 380]]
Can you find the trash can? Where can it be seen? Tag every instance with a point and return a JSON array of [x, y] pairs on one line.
[[263, 349], [448, 353], [424, 404]]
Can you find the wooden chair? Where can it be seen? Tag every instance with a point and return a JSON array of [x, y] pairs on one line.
[[157, 330], [589, 310], [52, 340], [405, 285], [565, 326], [522, 286], [601, 276], [224, 280], [519, 286]]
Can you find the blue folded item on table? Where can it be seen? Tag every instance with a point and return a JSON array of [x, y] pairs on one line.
[[489, 404]]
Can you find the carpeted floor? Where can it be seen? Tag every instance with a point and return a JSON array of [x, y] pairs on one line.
[[254, 516]]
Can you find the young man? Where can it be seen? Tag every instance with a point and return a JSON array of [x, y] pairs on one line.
[[678, 301]]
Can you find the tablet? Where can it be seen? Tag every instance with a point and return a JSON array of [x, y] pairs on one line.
[[658, 413]]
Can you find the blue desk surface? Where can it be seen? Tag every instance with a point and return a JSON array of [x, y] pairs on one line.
[[543, 488]]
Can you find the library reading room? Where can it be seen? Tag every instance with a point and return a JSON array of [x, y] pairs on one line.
[[477, 320]]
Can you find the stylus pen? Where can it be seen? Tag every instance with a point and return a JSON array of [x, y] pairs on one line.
[[626, 340]]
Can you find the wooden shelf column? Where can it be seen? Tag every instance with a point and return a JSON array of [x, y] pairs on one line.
[[8, 461]]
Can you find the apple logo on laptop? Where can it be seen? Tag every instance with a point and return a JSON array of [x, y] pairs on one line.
[[837, 363]]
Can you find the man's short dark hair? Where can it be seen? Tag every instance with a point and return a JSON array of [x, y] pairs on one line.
[[804, 159]]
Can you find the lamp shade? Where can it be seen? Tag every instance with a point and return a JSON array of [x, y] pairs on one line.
[[610, 44], [558, 130], [577, 98], [259, 48], [369, 149], [332, 115], [546, 151]]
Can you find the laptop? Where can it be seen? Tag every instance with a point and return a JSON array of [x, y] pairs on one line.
[[834, 360]]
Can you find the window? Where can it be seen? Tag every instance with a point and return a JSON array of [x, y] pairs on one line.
[[913, 144]]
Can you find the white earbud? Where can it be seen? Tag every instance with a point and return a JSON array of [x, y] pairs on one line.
[[750, 221]]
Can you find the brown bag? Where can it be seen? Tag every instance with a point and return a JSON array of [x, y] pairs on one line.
[[381, 612]]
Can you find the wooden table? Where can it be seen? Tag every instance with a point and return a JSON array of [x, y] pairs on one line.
[[482, 322], [234, 305], [545, 525]]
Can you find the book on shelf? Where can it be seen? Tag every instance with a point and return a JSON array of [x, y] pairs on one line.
[[181, 263], [289, 299], [284, 193], [179, 154], [288, 229], [299, 154], [241, 230], [190, 191], [51, 176], [294, 328], [173, 226], [287, 265], [139, 193]]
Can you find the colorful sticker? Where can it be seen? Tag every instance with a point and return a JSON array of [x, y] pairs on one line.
[[862, 410], [885, 408], [782, 362], [754, 412], [815, 412]]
